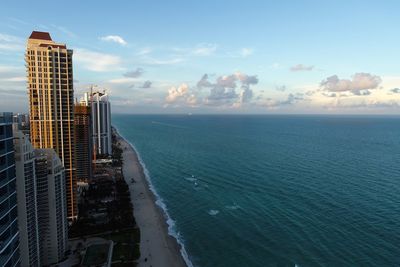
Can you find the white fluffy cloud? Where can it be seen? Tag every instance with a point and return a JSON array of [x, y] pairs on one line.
[[359, 84], [114, 38], [176, 93], [181, 96]]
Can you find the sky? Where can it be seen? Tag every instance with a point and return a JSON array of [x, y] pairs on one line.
[[206, 57]]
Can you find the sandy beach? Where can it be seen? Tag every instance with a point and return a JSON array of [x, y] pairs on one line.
[[157, 248]]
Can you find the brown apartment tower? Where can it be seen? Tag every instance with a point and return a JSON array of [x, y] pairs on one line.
[[51, 104], [83, 142]]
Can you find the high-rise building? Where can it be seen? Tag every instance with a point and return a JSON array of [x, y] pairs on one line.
[[9, 234], [51, 95], [26, 200], [21, 121], [101, 121], [83, 142], [52, 206]]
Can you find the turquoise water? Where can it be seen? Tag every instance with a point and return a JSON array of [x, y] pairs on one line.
[[276, 190]]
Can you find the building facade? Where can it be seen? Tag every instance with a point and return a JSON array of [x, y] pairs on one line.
[[21, 123], [83, 142], [52, 206], [101, 121], [9, 234], [51, 95], [26, 200]]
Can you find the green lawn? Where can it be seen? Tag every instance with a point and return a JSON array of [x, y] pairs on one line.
[[96, 255]]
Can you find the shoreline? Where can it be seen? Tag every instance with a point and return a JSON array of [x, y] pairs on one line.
[[157, 247]]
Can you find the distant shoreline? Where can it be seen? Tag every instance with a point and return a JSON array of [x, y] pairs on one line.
[[157, 247]]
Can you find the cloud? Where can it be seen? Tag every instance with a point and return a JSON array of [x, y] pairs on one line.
[[144, 51], [245, 52], [12, 75], [293, 98], [191, 100], [114, 38], [13, 88], [129, 82], [361, 92], [204, 49], [64, 30], [365, 103], [395, 90], [11, 43], [11, 69], [15, 100], [146, 84], [247, 79], [328, 94], [227, 81], [359, 84], [301, 67], [204, 82], [123, 80], [15, 79], [134, 74], [181, 96], [223, 91], [96, 61], [275, 66], [12, 92], [290, 100], [280, 88], [176, 93], [162, 62], [245, 95]]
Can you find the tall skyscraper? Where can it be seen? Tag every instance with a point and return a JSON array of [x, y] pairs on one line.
[[101, 121], [51, 95], [21, 122], [83, 142], [52, 208], [26, 200], [9, 234]]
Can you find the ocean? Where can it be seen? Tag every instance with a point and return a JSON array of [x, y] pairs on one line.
[[275, 190]]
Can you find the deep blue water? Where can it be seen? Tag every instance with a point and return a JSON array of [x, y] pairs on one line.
[[276, 190]]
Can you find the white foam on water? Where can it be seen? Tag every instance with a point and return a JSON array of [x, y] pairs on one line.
[[213, 212], [160, 202], [232, 207], [190, 179]]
